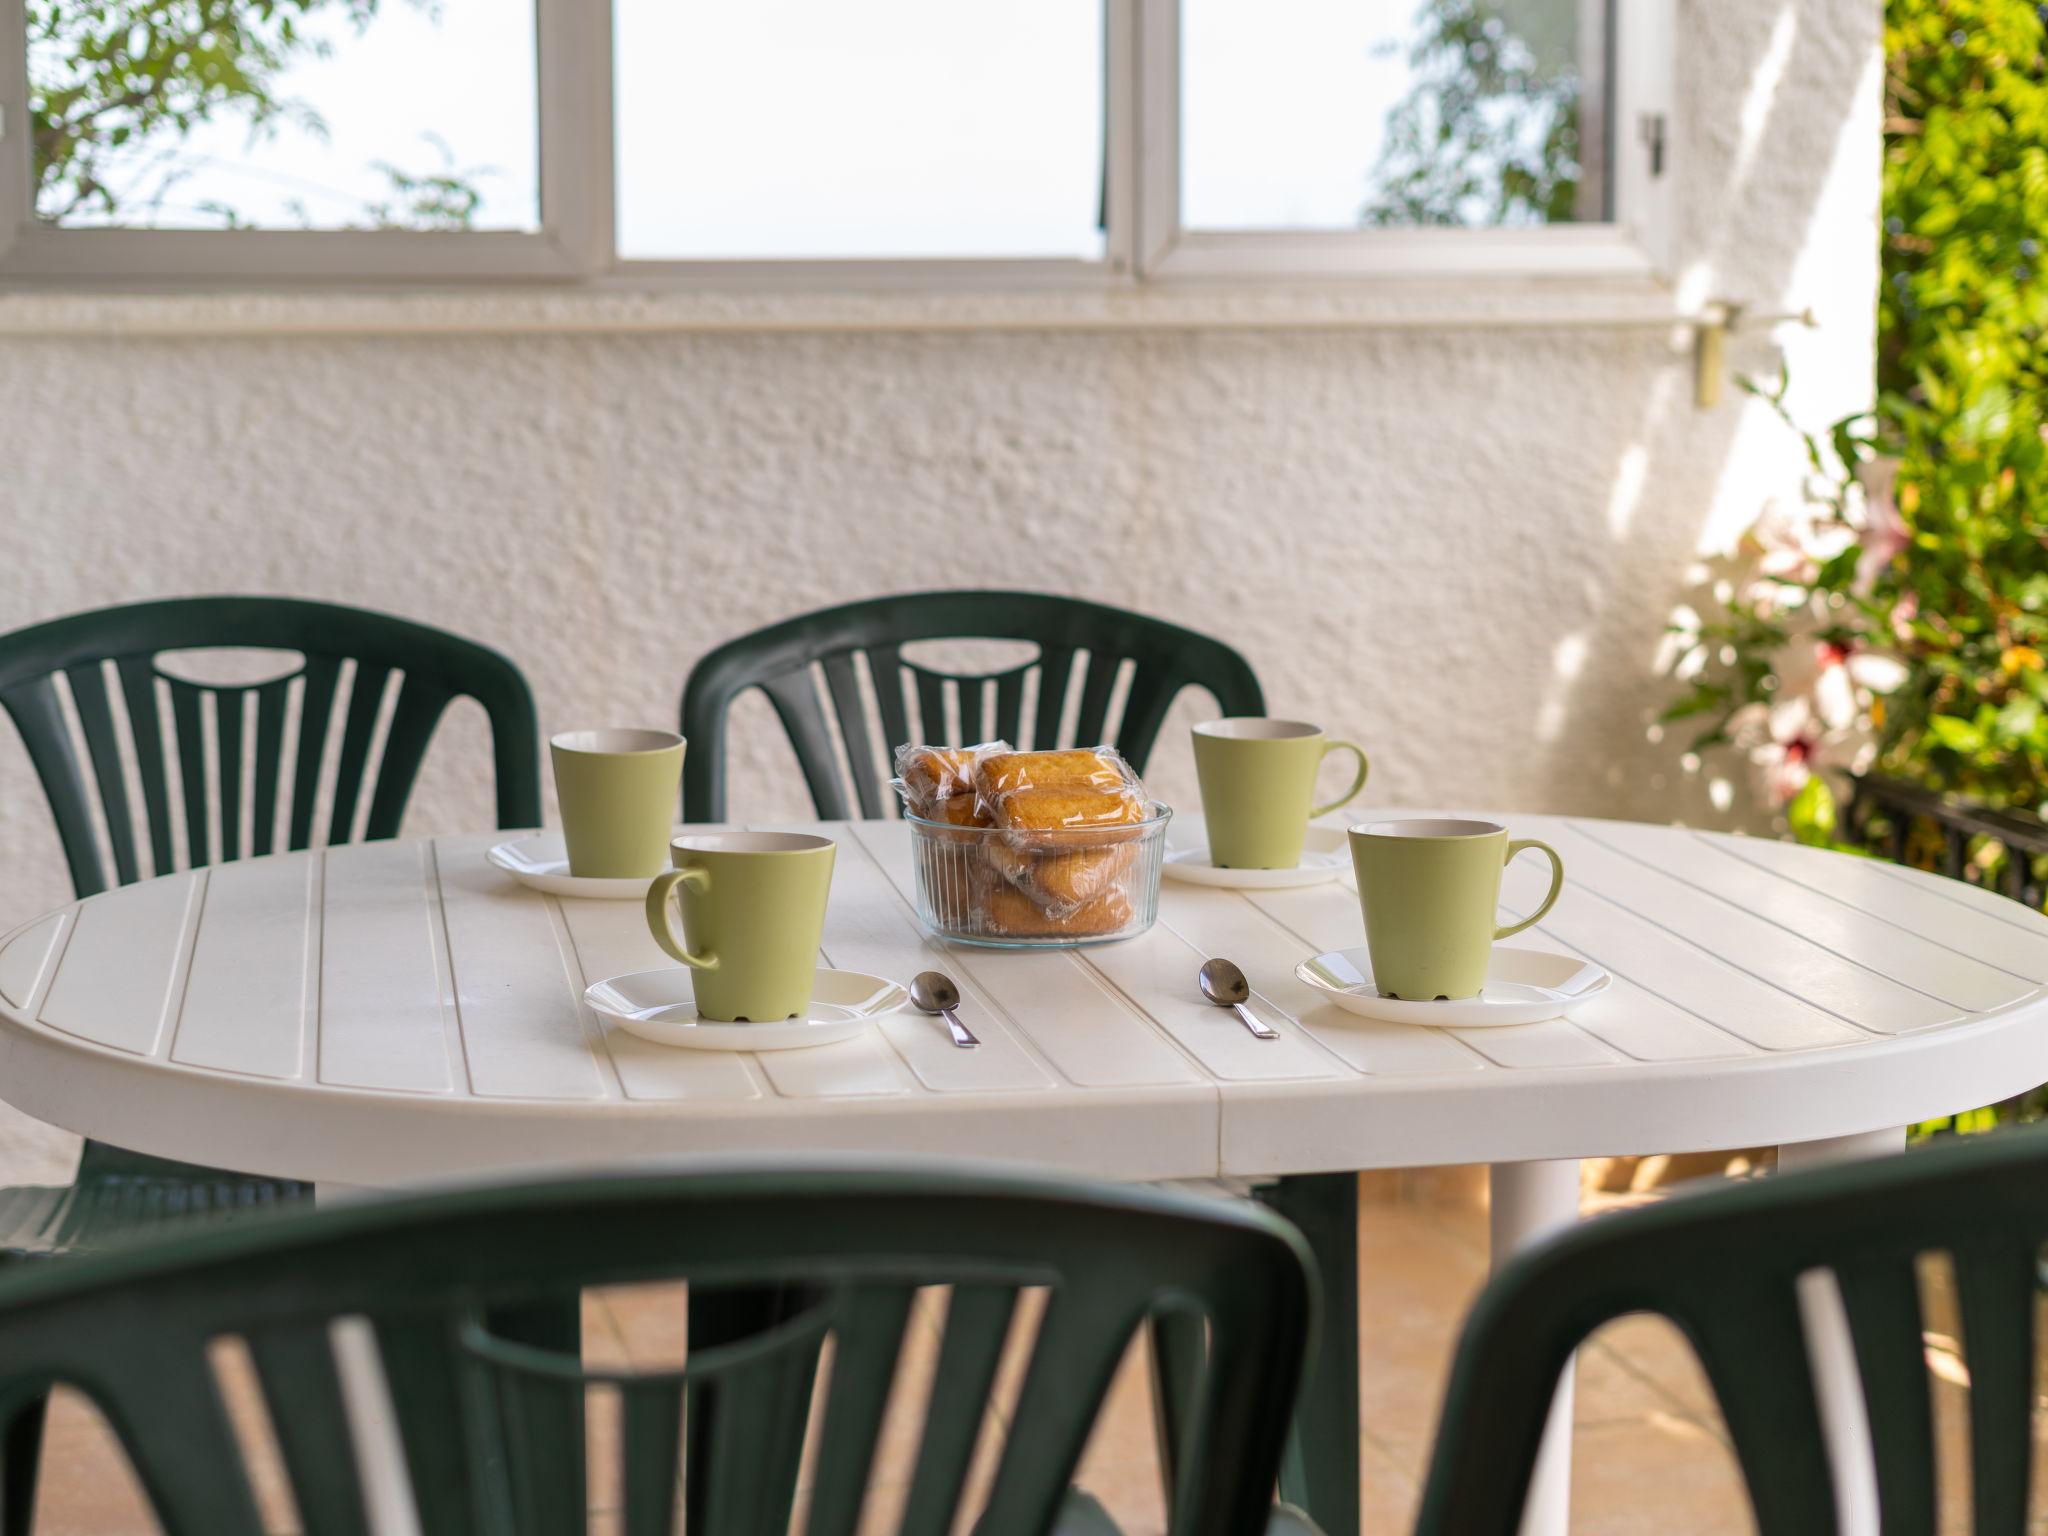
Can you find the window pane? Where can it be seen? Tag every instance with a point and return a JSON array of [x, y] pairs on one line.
[[1341, 114], [822, 128], [304, 114]]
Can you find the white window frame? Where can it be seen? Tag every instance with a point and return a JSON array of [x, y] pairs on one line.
[[1145, 243]]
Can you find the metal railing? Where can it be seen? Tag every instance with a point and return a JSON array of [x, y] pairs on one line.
[[2005, 851]]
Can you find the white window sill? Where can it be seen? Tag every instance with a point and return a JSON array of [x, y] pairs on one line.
[[1497, 302]]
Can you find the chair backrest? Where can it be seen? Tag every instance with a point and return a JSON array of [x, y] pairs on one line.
[[350, 660], [1725, 1268], [491, 1428], [1081, 648]]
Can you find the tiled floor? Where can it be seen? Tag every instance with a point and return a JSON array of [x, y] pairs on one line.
[[1649, 1453]]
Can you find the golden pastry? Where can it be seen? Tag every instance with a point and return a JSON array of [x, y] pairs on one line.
[[1042, 810], [1061, 881], [1011, 913], [1001, 773], [932, 774]]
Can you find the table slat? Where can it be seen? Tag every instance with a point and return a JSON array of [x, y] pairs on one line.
[[385, 998], [26, 955], [1223, 922], [1760, 948], [868, 927], [1879, 946], [245, 1006], [611, 938], [118, 974], [1864, 885], [1093, 1037], [521, 1017], [1726, 1012]]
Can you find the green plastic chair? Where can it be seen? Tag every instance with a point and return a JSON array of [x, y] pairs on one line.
[[1723, 1267], [112, 654], [779, 661], [480, 1416], [785, 661]]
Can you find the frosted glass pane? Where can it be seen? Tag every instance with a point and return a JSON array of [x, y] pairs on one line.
[[1342, 114], [308, 114], [823, 128]]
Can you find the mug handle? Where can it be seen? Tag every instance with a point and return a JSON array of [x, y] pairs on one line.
[[1523, 845], [663, 925], [1357, 784]]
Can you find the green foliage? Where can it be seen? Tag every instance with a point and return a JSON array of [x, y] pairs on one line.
[[1489, 133], [1948, 567], [115, 86], [1963, 383]]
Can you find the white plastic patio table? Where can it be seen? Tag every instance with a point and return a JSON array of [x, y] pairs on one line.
[[389, 1013]]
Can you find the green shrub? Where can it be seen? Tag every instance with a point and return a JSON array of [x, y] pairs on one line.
[[1924, 537]]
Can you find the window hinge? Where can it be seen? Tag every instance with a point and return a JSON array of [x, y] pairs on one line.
[[1650, 128]]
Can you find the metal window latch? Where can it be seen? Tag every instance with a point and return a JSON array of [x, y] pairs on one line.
[[1650, 129]]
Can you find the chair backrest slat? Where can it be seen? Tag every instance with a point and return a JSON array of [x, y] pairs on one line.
[[1009, 707], [931, 708], [1997, 1291], [228, 711], [96, 722], [190, 1466], [1883, 1305], [1752, 1345], [795, 697], [853, 730], [295, 1365], [651, 1452], [1055, 681], [977, 1324], [472, 1296], [272, 701], [188, 703], [1076, 1354], [1093, 721], [887, 673], [417, 712], [146, 731], [956, 707], [240, 778], [366, 696], [316, 720], [1737, 1271], [865, 1350]]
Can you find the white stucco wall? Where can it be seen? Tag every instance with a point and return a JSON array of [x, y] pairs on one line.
[[1457, 544]]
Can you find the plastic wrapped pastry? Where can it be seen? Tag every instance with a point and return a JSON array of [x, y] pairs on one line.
[[928, 775], [1013, 914], [1062, 882]]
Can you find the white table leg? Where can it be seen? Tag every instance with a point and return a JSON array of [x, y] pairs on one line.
[[1530, 1201], [1837, 1383], [366, 1399]]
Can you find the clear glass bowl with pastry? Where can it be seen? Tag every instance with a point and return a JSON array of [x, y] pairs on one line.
[[1038, 850]]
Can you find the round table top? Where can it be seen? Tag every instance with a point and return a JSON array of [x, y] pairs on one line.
[[390, 1012]]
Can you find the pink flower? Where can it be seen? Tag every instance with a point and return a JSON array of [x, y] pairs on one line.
[[1884, 535]]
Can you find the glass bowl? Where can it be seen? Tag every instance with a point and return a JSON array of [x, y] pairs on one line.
[[1054, 889]]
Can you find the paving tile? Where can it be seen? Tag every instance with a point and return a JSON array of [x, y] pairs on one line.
[[1661, 1473], [86, 1487]]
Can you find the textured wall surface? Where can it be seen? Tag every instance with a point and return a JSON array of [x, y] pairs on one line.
[[1459, 546]]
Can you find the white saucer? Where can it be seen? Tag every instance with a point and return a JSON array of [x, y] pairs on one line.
[[659, 1006], [1325, 856], [1523, 986], [540, 861]]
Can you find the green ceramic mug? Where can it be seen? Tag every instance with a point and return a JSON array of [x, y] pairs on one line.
[[1258, 779], [753, 909], [618, 791], [1430, 890]]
